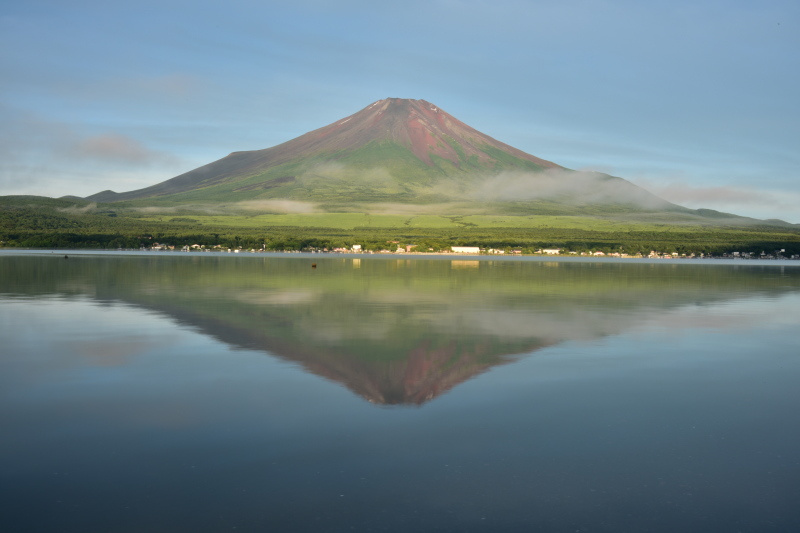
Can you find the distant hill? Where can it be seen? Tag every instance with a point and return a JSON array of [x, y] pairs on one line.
[[396, 151], [29, 200]]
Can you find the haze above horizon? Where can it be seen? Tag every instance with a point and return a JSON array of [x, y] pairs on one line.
[[694, 101]]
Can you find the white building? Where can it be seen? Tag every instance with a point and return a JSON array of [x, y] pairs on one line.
[[465, 249]]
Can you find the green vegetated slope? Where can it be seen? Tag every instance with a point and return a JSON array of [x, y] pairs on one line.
[[380, 171]]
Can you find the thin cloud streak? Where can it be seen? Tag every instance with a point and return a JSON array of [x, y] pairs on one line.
[[745, 201], [580, 188], [113, 148], [52, 158]]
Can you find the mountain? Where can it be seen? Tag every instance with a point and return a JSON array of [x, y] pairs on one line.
[[394, 150]]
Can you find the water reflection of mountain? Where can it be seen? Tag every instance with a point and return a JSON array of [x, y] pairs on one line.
[[394, 331]]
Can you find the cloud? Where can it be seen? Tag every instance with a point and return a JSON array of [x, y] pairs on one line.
[[747, 201], [574, 187], [277, 206], [30, 136], [115, 148], [51, 157], [75, 209], [279, 297], [717, 195], [118, 351], [390, 208]]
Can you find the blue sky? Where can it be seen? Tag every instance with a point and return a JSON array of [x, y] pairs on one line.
[[695, 100]]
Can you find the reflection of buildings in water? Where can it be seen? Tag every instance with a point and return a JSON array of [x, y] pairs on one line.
[[465, 264]]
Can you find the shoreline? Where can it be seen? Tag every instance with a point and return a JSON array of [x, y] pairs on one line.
[[8, 252]]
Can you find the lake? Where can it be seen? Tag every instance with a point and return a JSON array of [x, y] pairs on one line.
[[213, 392]]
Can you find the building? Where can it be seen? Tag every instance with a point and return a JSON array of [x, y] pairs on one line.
[[465, 249]]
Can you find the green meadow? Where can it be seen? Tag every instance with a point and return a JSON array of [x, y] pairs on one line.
[[36, 222], [365, 220]]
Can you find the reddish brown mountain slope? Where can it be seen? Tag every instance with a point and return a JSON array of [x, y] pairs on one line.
[[416, 124]]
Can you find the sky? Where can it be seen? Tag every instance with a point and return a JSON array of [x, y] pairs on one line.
[[697, 101]]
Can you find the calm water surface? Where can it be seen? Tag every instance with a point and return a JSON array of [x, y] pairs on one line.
[[194, 393]]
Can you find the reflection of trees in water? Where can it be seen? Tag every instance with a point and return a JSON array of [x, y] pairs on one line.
[[394, 331]]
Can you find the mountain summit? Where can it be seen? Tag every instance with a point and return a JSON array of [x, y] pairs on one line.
[[394, 150]]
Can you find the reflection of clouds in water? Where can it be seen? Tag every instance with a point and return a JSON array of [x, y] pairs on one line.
[[457, 318], [537, 324], [278, 297], [76, 287], [348, 330], [406, 297], [261, 296], [116, 351], [117, 331], [117, 362], [53, 343], [586, 323], [732, 315]]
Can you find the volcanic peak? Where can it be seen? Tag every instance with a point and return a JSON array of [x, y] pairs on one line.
[[414, 137], [422, 127]]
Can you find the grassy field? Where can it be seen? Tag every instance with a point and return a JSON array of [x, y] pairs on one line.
[[365, 220], [64, 223]]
